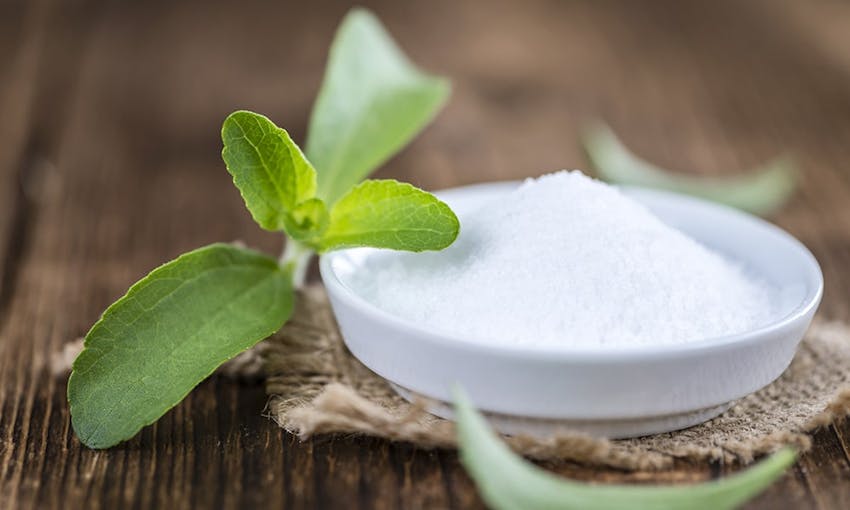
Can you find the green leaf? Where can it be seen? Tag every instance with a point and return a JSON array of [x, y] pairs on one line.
[[168, 333], [269, 169], [308, 220], [372, 102], [390, 214], [506, 481], [760, 191]]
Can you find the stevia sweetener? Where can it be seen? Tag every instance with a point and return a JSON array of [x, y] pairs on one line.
[[566, 261]]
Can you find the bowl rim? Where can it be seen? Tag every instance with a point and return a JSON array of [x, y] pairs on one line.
[[445, 339]]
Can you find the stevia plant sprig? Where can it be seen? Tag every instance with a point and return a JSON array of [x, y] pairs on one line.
[[761, 191], [507, 482], [179, 323]]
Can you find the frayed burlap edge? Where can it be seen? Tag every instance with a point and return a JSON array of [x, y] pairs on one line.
[[317, 387]]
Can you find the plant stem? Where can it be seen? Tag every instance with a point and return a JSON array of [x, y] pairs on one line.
[[296, 259]]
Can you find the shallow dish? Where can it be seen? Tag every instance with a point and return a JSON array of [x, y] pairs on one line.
[[613, 393]]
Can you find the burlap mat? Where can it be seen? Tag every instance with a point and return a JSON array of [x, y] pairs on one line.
[[317, 387]]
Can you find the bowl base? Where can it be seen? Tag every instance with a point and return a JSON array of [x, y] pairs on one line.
[[612, 429]]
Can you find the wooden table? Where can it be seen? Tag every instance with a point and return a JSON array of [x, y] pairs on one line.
[[110, 165]]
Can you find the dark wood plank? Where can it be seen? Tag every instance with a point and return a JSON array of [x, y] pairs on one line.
[[791, 491], [828, 470], [116, 109], [21, 39]]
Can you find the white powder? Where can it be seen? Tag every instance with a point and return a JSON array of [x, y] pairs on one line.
[[567, 261]]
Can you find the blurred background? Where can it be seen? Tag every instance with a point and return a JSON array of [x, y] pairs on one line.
[[111, 110], [126, 99]]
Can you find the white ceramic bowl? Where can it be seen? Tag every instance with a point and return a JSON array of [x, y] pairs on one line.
[[620, 393]]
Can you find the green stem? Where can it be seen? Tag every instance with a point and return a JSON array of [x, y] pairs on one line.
[[296, 259]]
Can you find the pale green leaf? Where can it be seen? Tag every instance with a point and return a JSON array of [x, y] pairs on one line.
[[308, 220], [760, 191], [269, 169], [372, 102], [390, 214], [507, 482], [168, 333]]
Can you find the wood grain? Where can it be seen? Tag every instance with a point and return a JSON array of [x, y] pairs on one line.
[[110, 166], [19, 50]]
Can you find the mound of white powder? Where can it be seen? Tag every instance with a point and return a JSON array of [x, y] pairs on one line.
[[567, 261]]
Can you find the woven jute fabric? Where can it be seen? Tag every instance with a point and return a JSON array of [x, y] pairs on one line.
[[318, 387]]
